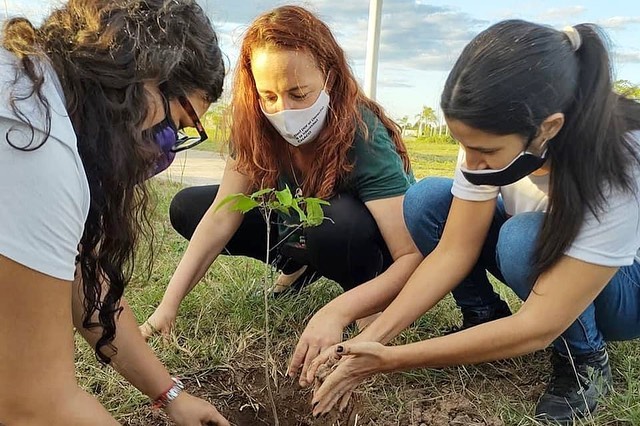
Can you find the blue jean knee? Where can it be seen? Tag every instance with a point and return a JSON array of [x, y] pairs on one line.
[[426, 207]]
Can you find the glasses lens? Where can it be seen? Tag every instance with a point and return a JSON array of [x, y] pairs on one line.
[[186, 142]]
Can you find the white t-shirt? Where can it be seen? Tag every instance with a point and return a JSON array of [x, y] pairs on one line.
[[613, 240], [44, 194]]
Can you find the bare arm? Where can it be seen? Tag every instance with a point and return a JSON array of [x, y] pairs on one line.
[[211, 236], [375, 295], [440, 272], [37, 351], [327, 325], [559, 296], [134, 359], [136, 362], [557, 299]]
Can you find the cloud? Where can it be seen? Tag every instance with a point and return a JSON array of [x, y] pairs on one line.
[[395, 83], [627, 56], [556, 13], [413, 33], [619, 22]]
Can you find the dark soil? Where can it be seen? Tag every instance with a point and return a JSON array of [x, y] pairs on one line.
[[240, 394]]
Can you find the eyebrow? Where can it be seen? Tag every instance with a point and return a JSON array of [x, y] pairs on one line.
[[291, 89], [480, 148]]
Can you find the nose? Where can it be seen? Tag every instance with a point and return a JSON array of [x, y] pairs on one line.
[[281, 104], [475, 160]]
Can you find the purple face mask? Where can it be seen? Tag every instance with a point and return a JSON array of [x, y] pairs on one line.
[[165, 136]]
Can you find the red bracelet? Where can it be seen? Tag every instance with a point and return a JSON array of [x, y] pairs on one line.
[[169, 395]]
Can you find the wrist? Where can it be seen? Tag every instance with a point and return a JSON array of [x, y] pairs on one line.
[[335, 311], [172, 391], [169, 304], [390, 359]]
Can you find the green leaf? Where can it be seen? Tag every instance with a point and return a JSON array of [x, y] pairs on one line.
[[315, 215], [317, 200], [285, 197], [228, 199], [295, 206], [261, 192], [245, 204], [279, 207]]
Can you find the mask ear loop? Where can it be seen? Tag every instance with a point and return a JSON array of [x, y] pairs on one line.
[[543, 147], [167, 113]]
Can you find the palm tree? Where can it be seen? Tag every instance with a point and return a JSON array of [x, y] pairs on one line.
[[403, 123], [426, 118]]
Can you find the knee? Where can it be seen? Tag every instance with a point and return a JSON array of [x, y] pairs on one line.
[[179, 212], [515, 248], [425, 209], [346, 217]]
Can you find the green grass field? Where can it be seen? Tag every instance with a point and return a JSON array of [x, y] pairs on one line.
[[218, 350]]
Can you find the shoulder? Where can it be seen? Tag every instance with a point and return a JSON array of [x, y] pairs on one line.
[[45, 190], [19, 103], [374, 135]]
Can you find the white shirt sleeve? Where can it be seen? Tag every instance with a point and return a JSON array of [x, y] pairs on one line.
[[613, 239], [44, 193], [43, 203], [465, 190]]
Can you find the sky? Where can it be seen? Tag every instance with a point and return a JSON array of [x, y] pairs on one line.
[[420, 39]]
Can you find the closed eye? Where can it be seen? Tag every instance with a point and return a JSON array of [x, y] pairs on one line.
[[488, 151], [269, 98]]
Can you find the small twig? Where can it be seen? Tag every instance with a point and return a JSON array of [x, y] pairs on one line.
[[266, 212]]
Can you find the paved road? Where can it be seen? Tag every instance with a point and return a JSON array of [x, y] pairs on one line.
[[193, 167]]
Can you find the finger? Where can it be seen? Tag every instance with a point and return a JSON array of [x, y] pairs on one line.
[[355, 348], [344, 402], [147, 330], [324, 356], [328, 399], [312, 352], [298, 358]]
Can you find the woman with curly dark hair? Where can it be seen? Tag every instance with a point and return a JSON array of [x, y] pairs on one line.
[[300, 119], [91, 104]]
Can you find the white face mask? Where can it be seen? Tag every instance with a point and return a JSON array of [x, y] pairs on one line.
[[300, 126]]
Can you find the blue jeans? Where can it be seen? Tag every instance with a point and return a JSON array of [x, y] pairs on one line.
[[507, 254]]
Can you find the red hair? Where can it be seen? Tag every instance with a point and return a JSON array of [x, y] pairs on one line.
[[260, 152]]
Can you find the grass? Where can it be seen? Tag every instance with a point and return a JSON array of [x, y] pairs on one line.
[[218, 341]]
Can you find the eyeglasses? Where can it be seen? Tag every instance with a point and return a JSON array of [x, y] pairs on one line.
[[185, 141]]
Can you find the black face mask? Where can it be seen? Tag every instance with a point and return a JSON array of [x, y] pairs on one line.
[[523, 165]]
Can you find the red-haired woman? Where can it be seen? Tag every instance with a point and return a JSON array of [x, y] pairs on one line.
[[300, 119]]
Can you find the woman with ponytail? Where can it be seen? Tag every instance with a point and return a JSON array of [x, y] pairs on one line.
[[90, 107], [546, 198]]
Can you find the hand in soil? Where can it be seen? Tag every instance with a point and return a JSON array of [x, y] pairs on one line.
[[322, 331], [187, 410], [358, 360], [324, 370], [160, 322]]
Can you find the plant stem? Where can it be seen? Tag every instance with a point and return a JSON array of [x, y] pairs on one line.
[[266, 212]]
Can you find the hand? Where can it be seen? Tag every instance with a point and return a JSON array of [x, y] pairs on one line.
[[358, 360], [322, 331], [187, 410], [160, 322]]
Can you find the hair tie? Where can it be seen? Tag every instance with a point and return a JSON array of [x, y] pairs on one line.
[[574, 37]]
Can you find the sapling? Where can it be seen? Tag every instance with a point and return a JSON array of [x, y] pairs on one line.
[[309, 213]]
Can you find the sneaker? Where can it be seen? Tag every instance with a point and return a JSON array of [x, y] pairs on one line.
[[471, 318], [574, 390]]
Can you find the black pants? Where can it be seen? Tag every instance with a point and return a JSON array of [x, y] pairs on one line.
[[348, 249]]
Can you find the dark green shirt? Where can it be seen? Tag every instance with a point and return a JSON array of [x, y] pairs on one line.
[[378, 170]]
